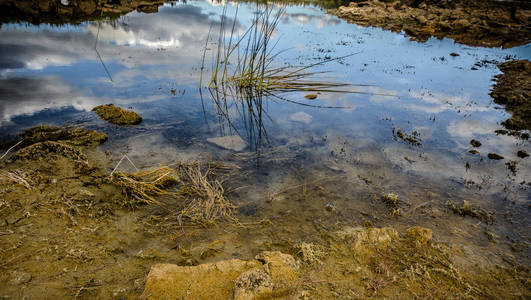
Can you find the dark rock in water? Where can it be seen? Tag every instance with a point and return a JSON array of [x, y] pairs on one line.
[[473, 151], [475, 143], [248, 209], [501, 131], [522, 154], [454, 54], [494, 156]]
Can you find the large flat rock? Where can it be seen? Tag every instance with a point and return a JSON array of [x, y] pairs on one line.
[[270, 275]]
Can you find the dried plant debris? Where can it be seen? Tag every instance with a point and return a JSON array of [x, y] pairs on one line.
[[142, 187], [392, 201], [466, 209], [205, 198], [116, 115], [201, 195], [413, 138]]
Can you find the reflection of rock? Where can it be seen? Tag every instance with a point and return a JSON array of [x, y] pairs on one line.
[[475, 23], [233, 142], [301, 117], [269, 274], [513, 90], [77, 11]]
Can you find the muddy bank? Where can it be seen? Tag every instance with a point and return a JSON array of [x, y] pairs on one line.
[[474, 23], [73, 12], [74, 225], [512, 89], [350, 263]]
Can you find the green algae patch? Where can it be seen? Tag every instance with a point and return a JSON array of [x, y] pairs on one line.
[[70, 135], [116, 115]]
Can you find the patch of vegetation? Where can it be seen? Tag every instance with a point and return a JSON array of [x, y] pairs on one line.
[[116, 115], [413, 138], [467, 209]]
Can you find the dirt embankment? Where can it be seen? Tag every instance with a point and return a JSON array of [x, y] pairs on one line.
[[475, 23], [75, 12], [513, 90]]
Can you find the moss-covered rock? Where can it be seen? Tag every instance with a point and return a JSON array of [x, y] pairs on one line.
[[116, 115]]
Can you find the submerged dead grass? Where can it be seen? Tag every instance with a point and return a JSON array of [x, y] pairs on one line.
[[200, 195]]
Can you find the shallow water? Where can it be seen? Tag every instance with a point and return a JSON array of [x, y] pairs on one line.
[[313, 156]]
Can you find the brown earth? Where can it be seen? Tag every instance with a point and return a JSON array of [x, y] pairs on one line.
[[513, 90], [77, 11], [474, 23], [353, 263]]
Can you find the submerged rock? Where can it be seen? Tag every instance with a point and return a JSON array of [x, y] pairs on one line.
[[70, 135], [494, 156], [233, 142], [116, 115]]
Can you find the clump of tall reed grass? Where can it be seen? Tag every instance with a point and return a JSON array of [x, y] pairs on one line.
[[244, 70], [244, 64]]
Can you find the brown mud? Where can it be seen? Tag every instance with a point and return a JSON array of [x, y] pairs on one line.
[[513, 90], [475, 23], [76, 225]]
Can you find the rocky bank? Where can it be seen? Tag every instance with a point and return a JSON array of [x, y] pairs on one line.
[[476, 23]]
